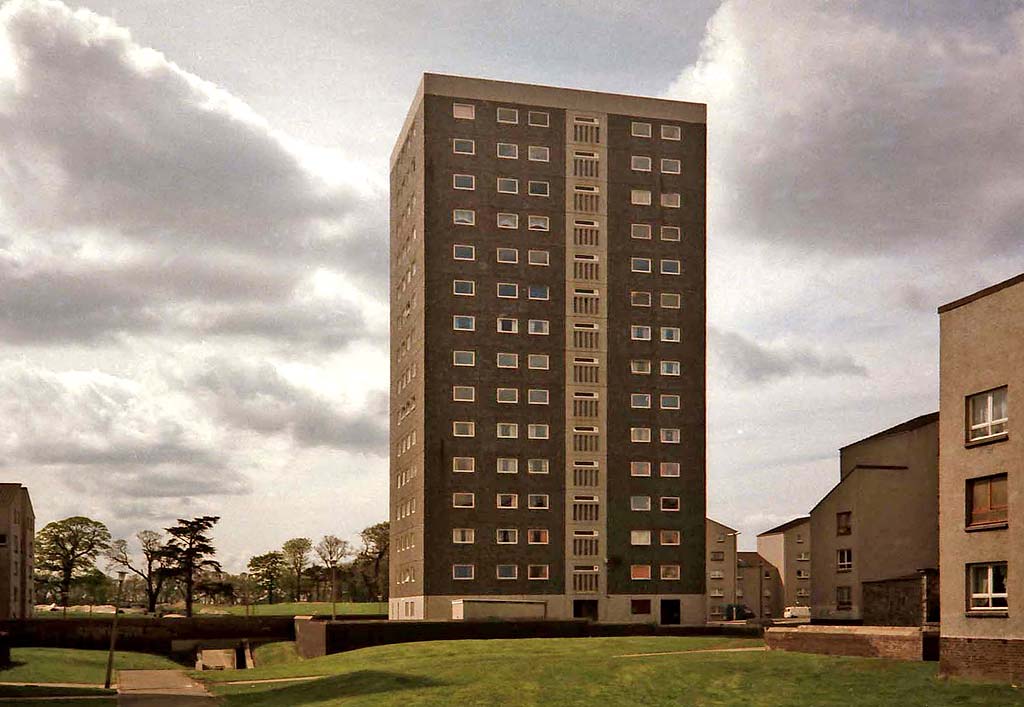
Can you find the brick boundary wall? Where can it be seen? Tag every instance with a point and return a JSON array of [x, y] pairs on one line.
[[990, 658], [895, 643], [314, 638]]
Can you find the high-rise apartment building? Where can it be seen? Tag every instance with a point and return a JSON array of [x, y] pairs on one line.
[[17, 537], [547, 354]]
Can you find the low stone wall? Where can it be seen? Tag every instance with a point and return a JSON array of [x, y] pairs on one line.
[[990, 658], [896, 643], [314, 638]]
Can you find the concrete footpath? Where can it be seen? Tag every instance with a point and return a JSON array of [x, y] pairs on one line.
[[160, 688]]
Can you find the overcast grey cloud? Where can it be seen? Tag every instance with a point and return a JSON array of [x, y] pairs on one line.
[[757, 363]]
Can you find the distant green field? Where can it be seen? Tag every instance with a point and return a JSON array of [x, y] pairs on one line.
[[299, 608]]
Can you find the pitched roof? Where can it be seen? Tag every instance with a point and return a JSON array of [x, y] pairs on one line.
[[992, 289], [786, 526], [921, 421], [712, 520]]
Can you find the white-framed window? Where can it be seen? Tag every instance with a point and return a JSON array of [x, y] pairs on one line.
[[668, 469], [640, 197], [640, 572], [538, 396], [671, 368], [539, 188], [671, 166], [537, 571], [671, 132], [538, 153], [640, 265], [463, 322], [463, 393], [463, 536], [987, 414], [539, 292], [538, 257], [507, 255], [464, 217], [508, 220], [463, 465], [671, 233], [508, 290], [640, 367], [537, 536], [538, 501], [671, 334], [508, 115], [670, 572], [640, 230], [507, 360], [538, 118], [507, 536], [507, 500], [669, 537], [988, 588], [639, 537], [466, 182], [671, 300], [463, 146], [844, 559], [506, 571], [640, 400], [639, 503], [463, 428], [508, 151], [463, 499], [464, 111], [465, 288], [538, 223], [803, 574], [508, 430], [640, 163], [637, 129], [639, 468], [670, 503], [640, 332], [538, 362], [507, 395], [508, 465], [671, 267], [508, 185], [640, 299], [462, 571], [508, 325], [463, 252], [538, 430], [670, 401], [538, 466], [671, 200], [540, 327], [670, 435], [463, 358]]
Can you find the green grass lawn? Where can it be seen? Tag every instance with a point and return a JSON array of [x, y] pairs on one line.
[[591, 671], [275, 654], [78, 666], [305, 608]]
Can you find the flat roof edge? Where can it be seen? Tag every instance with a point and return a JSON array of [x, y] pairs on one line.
[[991, 289]]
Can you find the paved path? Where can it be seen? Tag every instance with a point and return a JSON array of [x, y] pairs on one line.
[[160, 688], [82, 685], [752, 649]]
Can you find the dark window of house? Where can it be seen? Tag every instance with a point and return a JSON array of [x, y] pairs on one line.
[[3, 539], [987, 500], [843, 526], [717, 556], [844, 598], [640, 606]]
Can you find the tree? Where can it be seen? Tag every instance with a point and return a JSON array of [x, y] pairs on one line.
[[331, 551], [266, 571], [190, 551], [296, 554], [376, 543], [151, 570], [69, 548]]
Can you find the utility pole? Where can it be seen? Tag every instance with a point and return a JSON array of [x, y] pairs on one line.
[[113, 629]]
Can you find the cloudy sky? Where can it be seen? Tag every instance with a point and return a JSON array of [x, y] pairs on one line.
[[193, 233]]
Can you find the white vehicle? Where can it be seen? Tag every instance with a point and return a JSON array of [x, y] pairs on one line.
[[797, 612]]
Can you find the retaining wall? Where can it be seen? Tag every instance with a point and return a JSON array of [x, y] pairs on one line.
[[990, 658], [896, 643]]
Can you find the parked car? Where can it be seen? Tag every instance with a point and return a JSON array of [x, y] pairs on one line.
[[797, 612]]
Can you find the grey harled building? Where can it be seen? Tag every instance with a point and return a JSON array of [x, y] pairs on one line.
[[547, 356]]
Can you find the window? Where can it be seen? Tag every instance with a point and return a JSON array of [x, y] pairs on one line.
[[671, 334], [639, 503], [540, 189], [463, 536], [717, 556], [537, 501], [640, 299], [537, 466], [463, 358], [462, 322], [640, 197], [464, 287], [670, 233], [670, 503], [507, 500], [537, 396], [463, 393], [462, 571], [640, 434], [843, 526], [463, 429], [538, 223], [639, 537], [537, 118], [463, 252], [464, 111], [508, 220], [508, 151], [640, 163], [803, 574], [639, 468], [670, 435], [463, 465], [462, 146], [640, 264], [538, 257], [507, 571], [639, 571], [670, 572], [508, 430], [507, 536], [640, 607], [508, 255], [669, 469], [671, 300], [669, 166], [671, 201], [508, 185], [508, 115], [640, 129], [671, 132], [541, 292], [639, 332], [988, 587], [508, 395], [987, 500], [987, 414], [669, 537], [508, 290], [537, 571], [508, 360], [640, 400], [640, 230], [538, 153], [508, 465], [844, 560], [670, 402], [537, 431], [539, 326], [539, 362], [463, 500], [464, 181], [844, 598], [507, 325], [640, 367], [537, 536], [670, 368], [670, 267], [464, 217]]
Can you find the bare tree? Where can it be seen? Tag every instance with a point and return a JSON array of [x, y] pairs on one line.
[[331, 551], [151, 569]]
